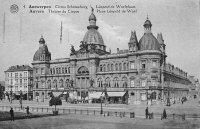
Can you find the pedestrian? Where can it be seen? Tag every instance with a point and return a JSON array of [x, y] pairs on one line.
[[12, 114], [164, 114], [147, 112], [182, 101], [20, 102], [27, 112]]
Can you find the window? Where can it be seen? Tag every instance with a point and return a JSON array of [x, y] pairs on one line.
[[116, 67], [132, 83], [11, 75], [16, 75], [124, 66], [108, 67], [25, 74], [65, 69], [132, 63], [20, 81], [100, 82], [68, 69], [116, 82], [120, 66], [111, 67], [143, 83], [42, 71], [101, 68], [36, 70], [104, 67], [153, 83], [154, 63], [143, 64]]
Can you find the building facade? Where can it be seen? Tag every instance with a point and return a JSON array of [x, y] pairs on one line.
[[134, 75], [19, 80]]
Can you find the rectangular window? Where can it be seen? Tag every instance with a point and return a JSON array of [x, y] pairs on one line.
[[16, 75], [132, 64], [42, 71], [154, 63], [132, 83], [20, 82], [36, 70], [143, 83], [143, 64], [153, 83], [25, 74]]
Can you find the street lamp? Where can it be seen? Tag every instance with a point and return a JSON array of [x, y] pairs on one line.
[[168, 99], [101, 105], [11, 93]]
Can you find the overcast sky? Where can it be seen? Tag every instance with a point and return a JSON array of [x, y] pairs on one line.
[[177, 20]]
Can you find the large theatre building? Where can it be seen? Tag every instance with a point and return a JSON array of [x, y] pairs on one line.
[[134, 75]]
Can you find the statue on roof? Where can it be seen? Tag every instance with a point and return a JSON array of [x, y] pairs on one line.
[[73, 52]]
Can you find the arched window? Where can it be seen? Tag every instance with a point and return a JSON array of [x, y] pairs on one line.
[[153, 95], [61, 83], [116, 83], [116, 67], [111, 67], [55, 84], [83, 70], [53, 71], [101, 68], [49, 84], [68, 69], [124, 81], [120, 66], [124, 66], [67, 84], [65, 69], [100, 84], [36, 85], [108, 82], [104, 67], [108, 67]]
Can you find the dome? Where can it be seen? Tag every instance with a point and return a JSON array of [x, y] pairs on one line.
[[92, 17], [42, 41], [149, 42], [92, 36], [43, 50], [147, 23]]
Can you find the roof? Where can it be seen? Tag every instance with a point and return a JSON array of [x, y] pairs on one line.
[[92, 36], [19, 68], [148, 42]]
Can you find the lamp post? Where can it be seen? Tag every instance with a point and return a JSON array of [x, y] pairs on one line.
[[101, 105], [21, 97], [168, 99], [11, 94]]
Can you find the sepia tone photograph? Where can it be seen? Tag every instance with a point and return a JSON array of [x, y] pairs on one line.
[[99, 64]]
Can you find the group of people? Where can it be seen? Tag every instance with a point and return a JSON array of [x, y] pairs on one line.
[[147, 114], [12, 113]]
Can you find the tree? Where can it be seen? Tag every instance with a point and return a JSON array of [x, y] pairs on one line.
[[55, 101], [1, 92]]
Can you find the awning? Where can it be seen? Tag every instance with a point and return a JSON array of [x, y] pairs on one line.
[[96, 95], [56, 94], [116, 94], [64, 93]]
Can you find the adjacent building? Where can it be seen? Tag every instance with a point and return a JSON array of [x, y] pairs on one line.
[[19, 80], [134, 75]]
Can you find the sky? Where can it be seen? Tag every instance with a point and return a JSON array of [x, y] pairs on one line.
[[177, 20]]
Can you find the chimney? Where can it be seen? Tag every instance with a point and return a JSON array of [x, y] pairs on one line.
[[117, 50]]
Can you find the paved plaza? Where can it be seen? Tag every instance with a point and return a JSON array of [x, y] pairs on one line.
[[77, 121]]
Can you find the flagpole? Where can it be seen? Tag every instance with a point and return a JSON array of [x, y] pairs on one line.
[[61, 33], [4, 27], [20, 33]]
